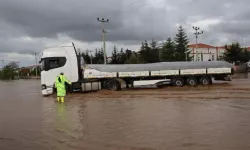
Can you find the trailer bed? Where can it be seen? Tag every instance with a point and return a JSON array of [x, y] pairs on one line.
[[157, 69], [159, 66]]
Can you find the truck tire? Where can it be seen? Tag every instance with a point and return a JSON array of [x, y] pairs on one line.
[[179, 82], [113, 85], [104, 84], [205, 80], [192, 81]]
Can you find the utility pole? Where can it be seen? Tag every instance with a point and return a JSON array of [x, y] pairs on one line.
[[102, 20], [18, 70], [186, 55], [242, 45], [17, 62], [196, 36], [36, 63]]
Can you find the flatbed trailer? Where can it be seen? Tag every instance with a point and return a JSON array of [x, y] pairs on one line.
[[94, 77]]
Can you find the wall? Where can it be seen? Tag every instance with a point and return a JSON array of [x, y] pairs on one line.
[[208, 52]]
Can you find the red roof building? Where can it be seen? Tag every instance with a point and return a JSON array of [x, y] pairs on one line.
[[206, 52], [200, 45]]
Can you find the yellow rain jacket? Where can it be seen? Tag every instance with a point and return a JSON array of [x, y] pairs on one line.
[[60, 85]]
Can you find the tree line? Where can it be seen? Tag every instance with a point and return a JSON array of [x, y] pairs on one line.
[[236, 54], [12, 70], [175, 49], [9, 71]]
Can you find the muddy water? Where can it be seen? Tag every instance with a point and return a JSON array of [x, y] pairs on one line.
[[200, 118]]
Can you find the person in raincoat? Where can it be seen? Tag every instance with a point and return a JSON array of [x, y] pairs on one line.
[[60, 86]]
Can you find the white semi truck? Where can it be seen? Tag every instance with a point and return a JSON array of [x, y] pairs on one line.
[[94, 77]]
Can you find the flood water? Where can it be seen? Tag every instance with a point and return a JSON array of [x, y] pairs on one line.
[[201, 118]]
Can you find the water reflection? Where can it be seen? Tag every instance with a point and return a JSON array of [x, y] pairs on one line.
[[61, 118], [193, 118], [241, 76]]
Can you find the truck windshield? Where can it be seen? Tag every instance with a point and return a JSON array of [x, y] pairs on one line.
[[52, 63]]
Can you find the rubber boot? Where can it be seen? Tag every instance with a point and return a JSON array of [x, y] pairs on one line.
[[58, 99], [62, 99]]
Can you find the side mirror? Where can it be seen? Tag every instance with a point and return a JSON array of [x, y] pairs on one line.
[[46, 69]]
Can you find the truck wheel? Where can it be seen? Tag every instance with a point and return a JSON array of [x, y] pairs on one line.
[[114, 85], [192, 81], [205, 80], [179, 82]]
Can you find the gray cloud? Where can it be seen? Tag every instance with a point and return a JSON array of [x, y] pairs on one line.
[[130, 24], [48, 18]]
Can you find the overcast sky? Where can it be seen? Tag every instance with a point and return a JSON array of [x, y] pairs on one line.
[[28, 26]]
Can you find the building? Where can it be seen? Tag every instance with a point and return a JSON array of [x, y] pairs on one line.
[[27, 71], [33, 67], [206, 52]]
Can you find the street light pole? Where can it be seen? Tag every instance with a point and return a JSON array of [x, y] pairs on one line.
[[102, 20], [186, 56], [242, 42], [17, 62], [197, 33], [36, 64]]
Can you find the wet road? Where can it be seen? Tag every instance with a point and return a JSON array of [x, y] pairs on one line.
[[200, 118]]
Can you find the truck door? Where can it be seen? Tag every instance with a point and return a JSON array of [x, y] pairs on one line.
[[53, 67]]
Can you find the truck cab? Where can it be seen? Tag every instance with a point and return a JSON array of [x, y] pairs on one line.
[[56, 60]]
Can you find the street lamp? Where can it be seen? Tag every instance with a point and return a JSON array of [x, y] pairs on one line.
[[36, 63], [102, 20], [197, 33]]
